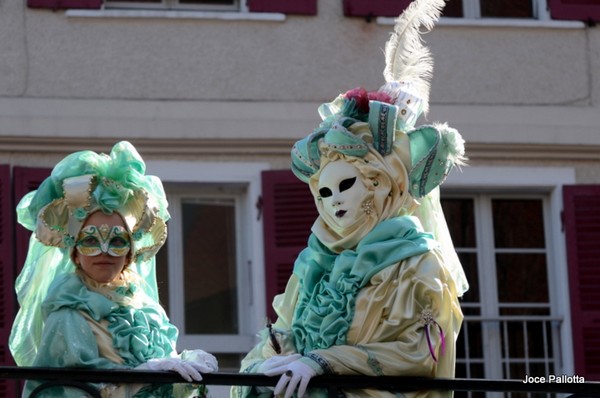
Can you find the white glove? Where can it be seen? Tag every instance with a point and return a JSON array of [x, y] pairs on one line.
[[278, 362], [187, 369], [297, 374], [205, 362]]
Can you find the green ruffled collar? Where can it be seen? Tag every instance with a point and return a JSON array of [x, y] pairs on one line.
[[140, 332], [329, 282]]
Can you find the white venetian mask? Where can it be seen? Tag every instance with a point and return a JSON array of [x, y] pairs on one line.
[[342, 193]]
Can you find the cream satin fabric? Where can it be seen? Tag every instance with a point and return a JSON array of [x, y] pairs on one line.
[[387, 335]]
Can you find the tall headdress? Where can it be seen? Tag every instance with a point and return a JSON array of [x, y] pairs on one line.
[[378, 128], [80, 184]]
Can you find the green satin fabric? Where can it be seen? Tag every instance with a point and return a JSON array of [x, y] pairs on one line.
[[139, 333], [330, 281]]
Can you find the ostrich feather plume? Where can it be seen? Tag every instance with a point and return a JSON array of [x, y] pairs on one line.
[[406, 57]]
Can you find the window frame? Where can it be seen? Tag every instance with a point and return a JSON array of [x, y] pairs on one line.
[[251, 259], [176, 274], [486, 251], [543, 18], [174, 5], [263, 10], [387, 8], [472, 10], [517, 182]]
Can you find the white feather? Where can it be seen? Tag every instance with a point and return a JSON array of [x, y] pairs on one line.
[[406, 58]]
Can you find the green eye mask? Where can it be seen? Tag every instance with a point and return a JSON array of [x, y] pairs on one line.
[[93, 241]]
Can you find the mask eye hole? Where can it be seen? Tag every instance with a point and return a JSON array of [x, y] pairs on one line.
[[347, 184], [325, 192], [118, 242], [89, 241]]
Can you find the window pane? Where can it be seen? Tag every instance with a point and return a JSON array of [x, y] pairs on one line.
[[469, 344], [522, 278], [469, 264], [518, 223], [229, 362], [205, 5], [460, 217], [453, 8], [210, 277], [162, 274], [519, 337], [137, 1], [208, 2], [461, 221], [506, 8]]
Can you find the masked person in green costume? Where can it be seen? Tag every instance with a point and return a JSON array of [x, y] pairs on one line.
[[376, 290], [87, 293]]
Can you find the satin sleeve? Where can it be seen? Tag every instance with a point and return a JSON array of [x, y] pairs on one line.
[[67, 341], [388, 334]]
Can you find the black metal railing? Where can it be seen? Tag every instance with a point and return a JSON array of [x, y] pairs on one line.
[[80, 378]]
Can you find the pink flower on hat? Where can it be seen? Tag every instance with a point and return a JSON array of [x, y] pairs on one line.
[[380, 96], [360, 96]]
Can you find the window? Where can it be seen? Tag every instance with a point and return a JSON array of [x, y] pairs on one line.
[[203, 237], [201, 271], [302, 7], [474, 9], [469, 9], [509, 309], [210, 272], [220, 7], [200, 5]]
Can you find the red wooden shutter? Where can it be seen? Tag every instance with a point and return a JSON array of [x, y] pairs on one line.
[[288, 214], [578, 10], [25, 179], [374, 8], [582, 230], [302, 7], [8, 389]]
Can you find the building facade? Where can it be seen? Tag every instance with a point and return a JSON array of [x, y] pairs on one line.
[[214, 93]]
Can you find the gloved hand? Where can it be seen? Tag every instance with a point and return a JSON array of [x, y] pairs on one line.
[[206, 363], [187, 369], [279, 362], [297, 374]]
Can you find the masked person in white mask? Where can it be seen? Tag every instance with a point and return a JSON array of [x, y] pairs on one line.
[[376, 290]]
